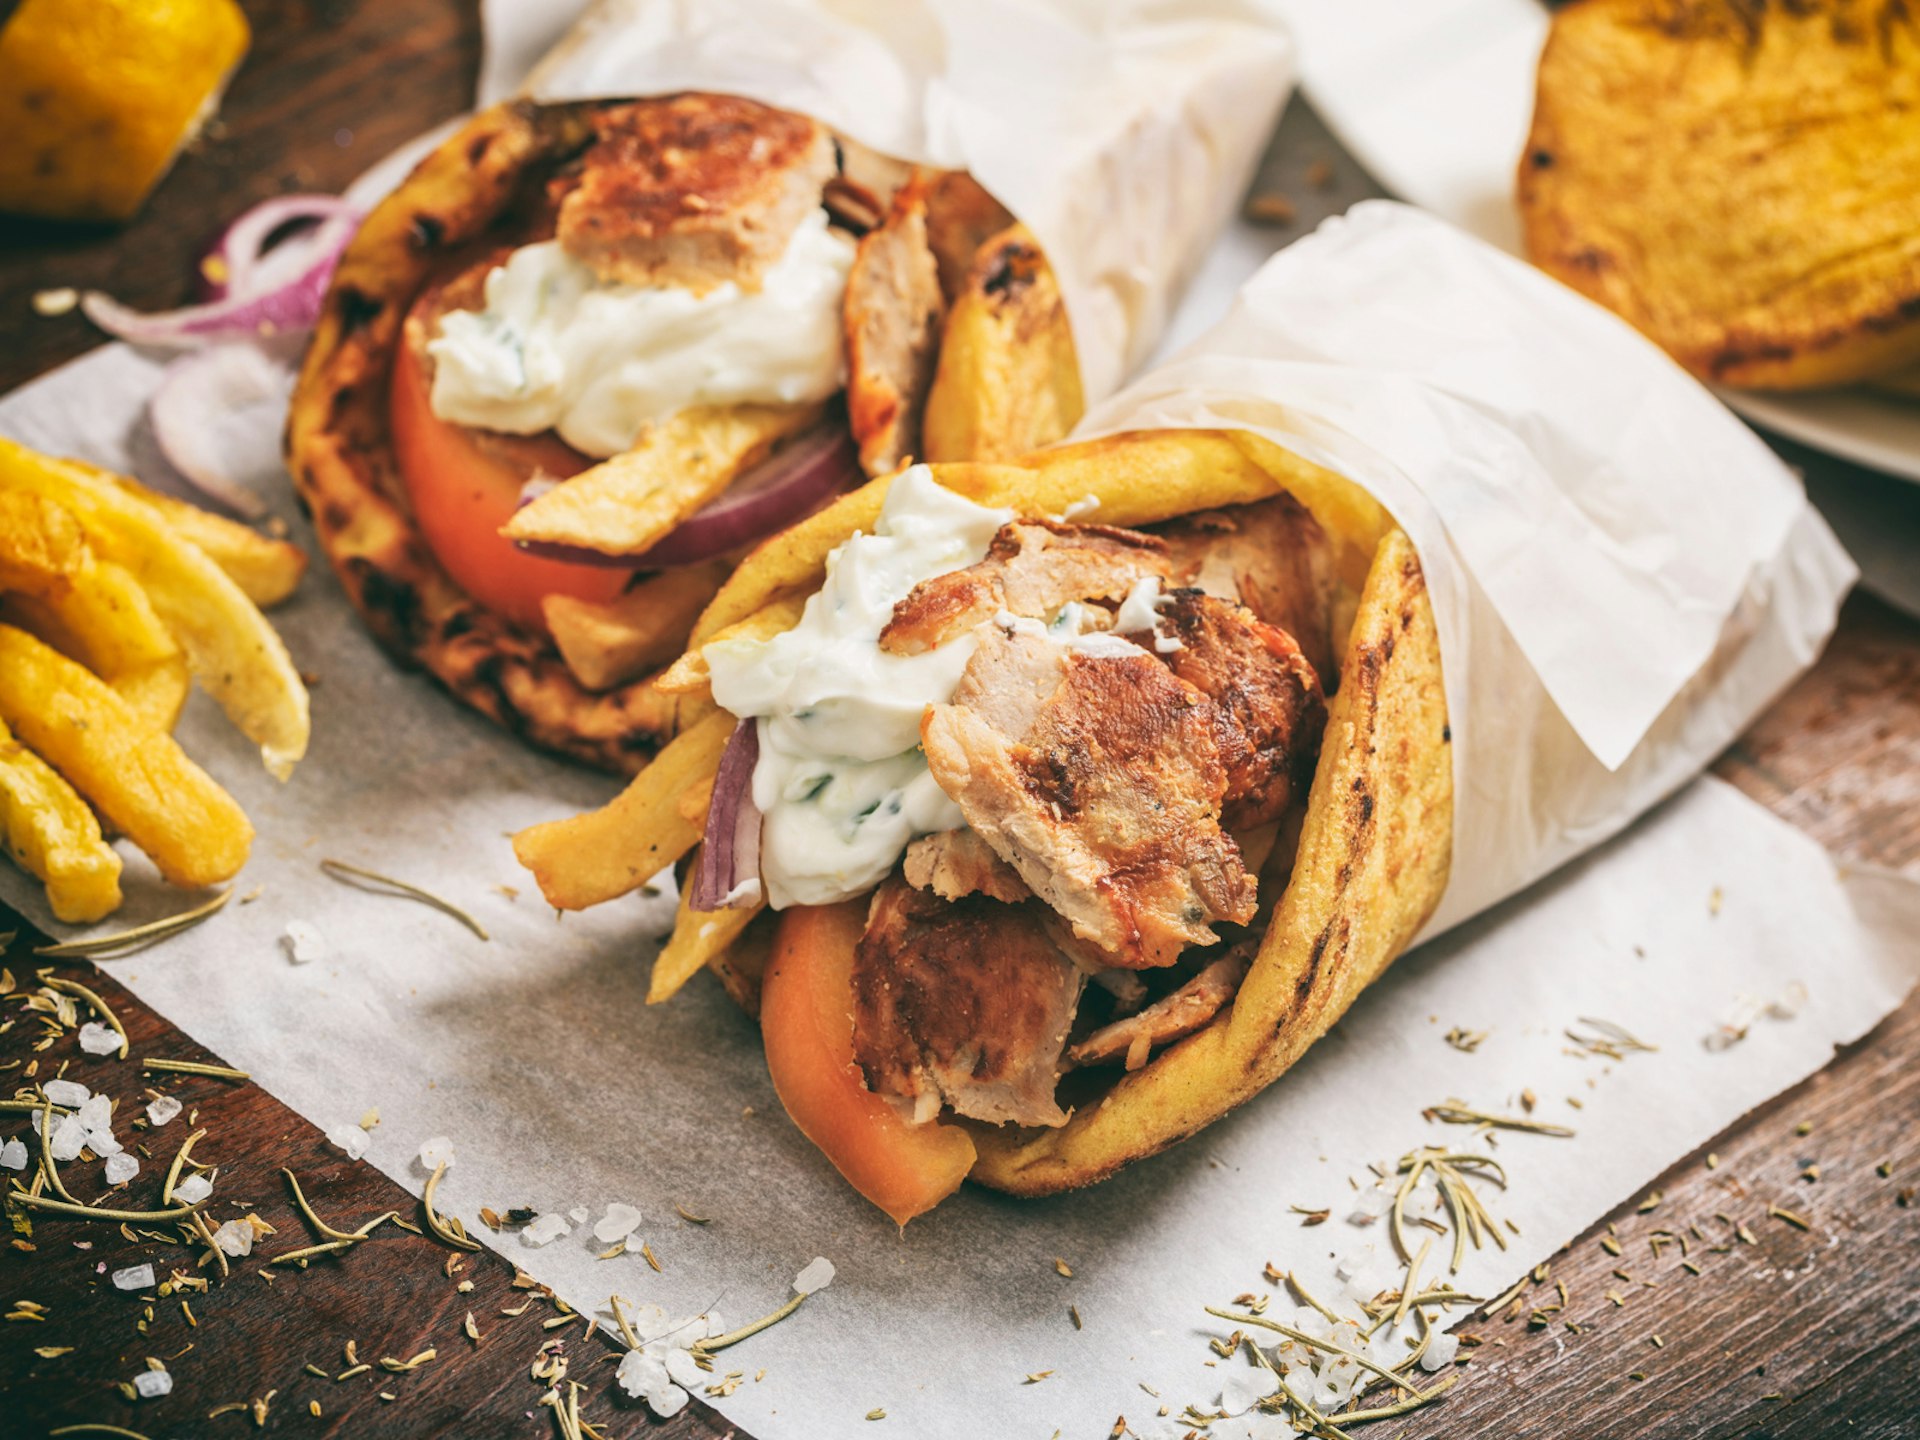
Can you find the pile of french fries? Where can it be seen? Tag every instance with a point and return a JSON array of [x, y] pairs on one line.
[[113, 601]]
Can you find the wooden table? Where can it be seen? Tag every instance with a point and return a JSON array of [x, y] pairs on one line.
[[1775, 1338]]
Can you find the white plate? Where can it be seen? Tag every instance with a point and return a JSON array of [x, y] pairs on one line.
[[1436, 101]]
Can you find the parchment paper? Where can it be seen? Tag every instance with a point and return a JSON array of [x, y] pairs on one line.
[[536, 1054]]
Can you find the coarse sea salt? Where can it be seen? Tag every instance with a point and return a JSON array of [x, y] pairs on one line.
[[350, 1138], [544, 1229], [817, 1275], [437, 1152], [121, 1168], [13, 1155], [160, 1111], [152, 1384], [234, 1238], [193, 1189], [98, 1039], [134, 1277], [1246, 1388], [1440, 1351], [69, 1135], [304, 943], [578, 1214], [619, 1222], [70, 1093]]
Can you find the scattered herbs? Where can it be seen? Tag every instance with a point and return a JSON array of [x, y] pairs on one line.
[[367, 880], [124, 942]]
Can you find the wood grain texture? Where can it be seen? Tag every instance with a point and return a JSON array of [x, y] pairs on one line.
[[1825, 1320]]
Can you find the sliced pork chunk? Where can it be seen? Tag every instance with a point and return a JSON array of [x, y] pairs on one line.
[[1172, 1017], [1098, 777], [1032, 569], [693, 190], [1272, 557], [1267, 711], [965, 1004], [893, 310], [955, 863]]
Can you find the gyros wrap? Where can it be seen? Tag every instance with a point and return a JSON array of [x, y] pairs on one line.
[[1105, 912]]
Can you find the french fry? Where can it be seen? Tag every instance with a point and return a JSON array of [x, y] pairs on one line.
[[623, 505], [1009, 378], [265, 569], [52, 834], [601, 855], [231, 649], [609, 644], [689, 674], [699, 937], [136, 776]]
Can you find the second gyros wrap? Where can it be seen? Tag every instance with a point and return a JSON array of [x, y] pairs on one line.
[[1089, 790]]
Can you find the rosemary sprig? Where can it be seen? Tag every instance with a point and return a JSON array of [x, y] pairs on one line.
[[213, 1246], [337, 1242], [91, 1428], [1362, 1361], [124, 942], [46, 1155], [447, 1227], [1400, 1407], [105, 1011], [1456, 1112], [353, 875], [173, 1170], [88, 1212], [734, 1337], [195, 1067], [27, 1106]]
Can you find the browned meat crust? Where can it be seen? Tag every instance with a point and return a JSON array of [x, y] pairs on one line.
[[1272, 557], [958, 862], [1032, 568], [965, 1004], [1172, 1017], [893, 314], [1099, 779], [1267, 710], [693, 190]]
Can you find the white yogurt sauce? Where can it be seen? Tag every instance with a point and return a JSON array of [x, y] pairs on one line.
[[557, 347]]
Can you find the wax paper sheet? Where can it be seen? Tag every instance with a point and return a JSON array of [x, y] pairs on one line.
[[535, 1052]]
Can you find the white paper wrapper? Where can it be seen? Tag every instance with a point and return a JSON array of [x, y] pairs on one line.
[[1622, 573], [1122, 132]]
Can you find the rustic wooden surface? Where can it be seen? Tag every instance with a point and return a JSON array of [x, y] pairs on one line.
[[1805, 1334]]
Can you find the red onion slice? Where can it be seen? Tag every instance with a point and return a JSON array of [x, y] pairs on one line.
[[730, 853], [292, 304], [240, 252], [783, 488], [208, 418]]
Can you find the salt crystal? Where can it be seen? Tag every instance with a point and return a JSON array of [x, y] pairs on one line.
[[578, 1214], [193, 1189], [545, 1228], [1370, 1205], [96, 1113], [160, 1111], [304, 943], [67, 1138], [152, 1384], [98, 1039], [134, 1277], [102, 1143], [1440, 1351], [817, 1275], [70, 1093], [437, 1152], [121, 1168], [667, 1400], [13, 1155], [350, 1138], [619, 1222], [640, 1373], [683, 1368], [1246, 1388], [649, 1322], [234, 1238], [1309, 1321]]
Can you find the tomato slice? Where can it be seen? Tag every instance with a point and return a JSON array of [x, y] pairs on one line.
[[806, 1020], [464, 485]]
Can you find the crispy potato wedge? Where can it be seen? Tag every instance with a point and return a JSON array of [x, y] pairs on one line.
[[740, 965], [1009, 378], [623, 506], [1741, 182], [961, 217], [232, 650], [587, 859], [53, 835], [699, 938], [893, 310], [136, 776], [266, 570], [610, 644]]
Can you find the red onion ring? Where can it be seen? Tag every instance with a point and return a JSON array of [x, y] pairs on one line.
[[240, 252], [787, 486], [730, 852], [199, 394]]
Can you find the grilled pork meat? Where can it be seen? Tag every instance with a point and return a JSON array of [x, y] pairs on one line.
[[964, 1003], [1271, 556], [693, 190], [1172, 1017], [893, 310], [956, 863], [1098, 777]]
